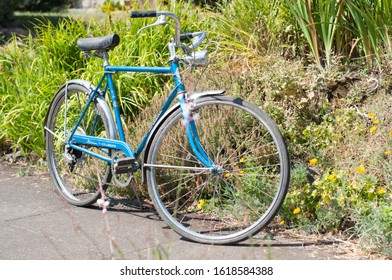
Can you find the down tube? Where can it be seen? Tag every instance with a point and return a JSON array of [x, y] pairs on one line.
[[164, 108], [179, 87]]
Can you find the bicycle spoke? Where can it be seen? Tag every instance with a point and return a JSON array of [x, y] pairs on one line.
[[227, 202], [73, 171]]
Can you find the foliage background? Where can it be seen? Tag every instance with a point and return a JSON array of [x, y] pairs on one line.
[[321, 69], [7, 8]]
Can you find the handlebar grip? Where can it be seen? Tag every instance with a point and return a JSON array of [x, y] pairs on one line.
[[186, 36], [143, 14]]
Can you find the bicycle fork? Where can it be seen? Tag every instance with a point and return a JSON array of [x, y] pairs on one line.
[[193, 137]]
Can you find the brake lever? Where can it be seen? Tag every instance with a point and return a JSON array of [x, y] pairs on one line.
[[198, 37], [160, 21]]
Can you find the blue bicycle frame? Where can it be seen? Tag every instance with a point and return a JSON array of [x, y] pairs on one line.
[[77, 141]]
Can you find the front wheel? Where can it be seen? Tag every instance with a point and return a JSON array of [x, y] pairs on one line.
[[244, 190]]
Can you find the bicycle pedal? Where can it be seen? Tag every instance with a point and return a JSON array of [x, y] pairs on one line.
[[123, 165]]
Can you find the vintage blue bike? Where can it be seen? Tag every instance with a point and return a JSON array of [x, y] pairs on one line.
[[216, 166]]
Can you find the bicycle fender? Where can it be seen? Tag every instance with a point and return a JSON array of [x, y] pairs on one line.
[[194, 97], [100, 100]]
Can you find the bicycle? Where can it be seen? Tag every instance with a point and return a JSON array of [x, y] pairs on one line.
[[216, 166]]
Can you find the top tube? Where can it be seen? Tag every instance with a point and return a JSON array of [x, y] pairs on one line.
[[139, 69], [174, 70]]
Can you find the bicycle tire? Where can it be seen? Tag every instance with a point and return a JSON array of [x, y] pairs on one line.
[[74, 173], [240, 199]]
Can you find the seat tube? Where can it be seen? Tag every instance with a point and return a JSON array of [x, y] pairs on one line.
[[116, 107]]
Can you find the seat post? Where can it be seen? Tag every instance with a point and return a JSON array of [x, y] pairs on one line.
[[105, 59]]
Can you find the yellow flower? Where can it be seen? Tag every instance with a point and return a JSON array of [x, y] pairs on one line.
[[361, 169], [313, 161], [201, 203], [376, 122], [227, 175], [387, 153], [381, 191], [241, 172], [281, 222], [242, 159], [296, 211], [372, 129], [331, 177], [390, 133], [371, 115]]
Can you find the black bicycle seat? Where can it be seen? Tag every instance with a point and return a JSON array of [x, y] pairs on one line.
[[98, 43]]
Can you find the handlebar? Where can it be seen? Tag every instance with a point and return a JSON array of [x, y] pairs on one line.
[[143, 14], [197, 36]]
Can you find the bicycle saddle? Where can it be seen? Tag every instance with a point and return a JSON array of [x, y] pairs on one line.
[[98, 43]]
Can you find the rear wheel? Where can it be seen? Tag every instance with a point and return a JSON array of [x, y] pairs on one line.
[[74, 173], [241, 194]]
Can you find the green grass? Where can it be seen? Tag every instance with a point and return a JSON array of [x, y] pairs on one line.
[[32, 69], [313, 79], [343, 28]]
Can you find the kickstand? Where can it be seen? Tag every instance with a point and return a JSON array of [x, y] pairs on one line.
[[140, 207]]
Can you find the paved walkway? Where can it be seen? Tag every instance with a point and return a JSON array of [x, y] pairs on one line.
[[36, 224]]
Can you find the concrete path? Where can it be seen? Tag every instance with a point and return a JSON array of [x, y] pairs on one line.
[[35, 224]]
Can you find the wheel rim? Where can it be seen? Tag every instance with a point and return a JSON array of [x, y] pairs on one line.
[[75, 173], [236, 200]]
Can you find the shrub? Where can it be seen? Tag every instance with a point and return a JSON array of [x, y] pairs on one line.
[[110, 5], [344, 28], [341, 154], [374, 228], [32, 70], [334, 201]]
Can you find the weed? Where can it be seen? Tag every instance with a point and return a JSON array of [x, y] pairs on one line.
[[23, 171], [32, 70], [375, 227], [300, 69]]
